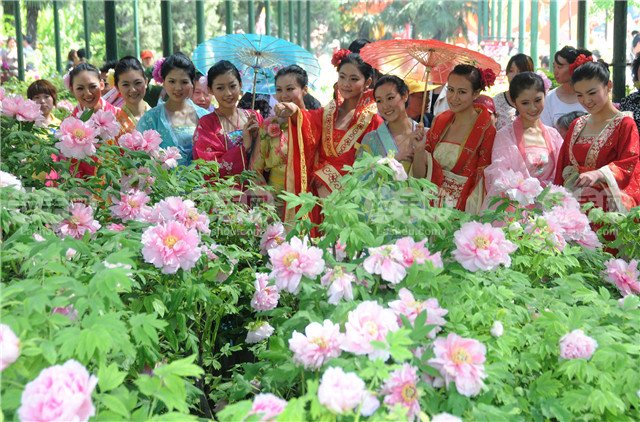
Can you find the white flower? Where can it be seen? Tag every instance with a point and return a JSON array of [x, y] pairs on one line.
[[497, 329], [9, 180], [259, 331], [399, 172]]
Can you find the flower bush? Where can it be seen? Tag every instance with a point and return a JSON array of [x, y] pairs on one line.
[[161, 295]]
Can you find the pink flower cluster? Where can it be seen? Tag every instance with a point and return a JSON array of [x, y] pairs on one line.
[[9, 347], [482, 247], [623, 275], [416, 253], [341, 392], [411, 308], [292, 260], [402, 388], [272, 237], [518, 188], [368, 322], [318, 344], [399, 173], [59, 393], [105, 124], [168, 157], [388, 262], [132, 205], [268, 406], [266, 297], [80, 222], [148, 141], [339, 284], [77, 138], [577, 345], [22, 109], [170, 246], [573, 225], [174, 208], [461, 361]]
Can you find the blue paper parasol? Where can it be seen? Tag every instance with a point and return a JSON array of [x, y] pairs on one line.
[[257, 57]]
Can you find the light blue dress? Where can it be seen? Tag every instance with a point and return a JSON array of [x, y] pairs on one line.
[[379, 142]]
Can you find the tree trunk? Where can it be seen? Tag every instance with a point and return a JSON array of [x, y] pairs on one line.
[[33, 8]]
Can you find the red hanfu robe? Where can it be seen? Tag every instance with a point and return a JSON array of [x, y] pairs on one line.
[[615, 152], [458, 170]]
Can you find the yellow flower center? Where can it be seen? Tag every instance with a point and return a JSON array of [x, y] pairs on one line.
[[170, 240], [371, 328], [460, 356], [132, 203], [289, 258], [481, 242], [79, 133], [408, 393], [321, 342]]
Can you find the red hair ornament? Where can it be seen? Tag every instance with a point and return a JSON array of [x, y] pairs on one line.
[[579, 61], [337, 57]]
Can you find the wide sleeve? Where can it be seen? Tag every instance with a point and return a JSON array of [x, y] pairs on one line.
[[484, 151], [627, 151], [564, 159]]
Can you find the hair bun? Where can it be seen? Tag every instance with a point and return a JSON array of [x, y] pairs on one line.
[[337, 57]]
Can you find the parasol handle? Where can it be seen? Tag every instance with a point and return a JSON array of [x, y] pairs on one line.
[[253, 90], [425, 95]]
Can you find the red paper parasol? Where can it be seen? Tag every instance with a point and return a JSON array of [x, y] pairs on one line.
[[422, 60]]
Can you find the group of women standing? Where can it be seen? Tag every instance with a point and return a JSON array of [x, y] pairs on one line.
[[300, 150]]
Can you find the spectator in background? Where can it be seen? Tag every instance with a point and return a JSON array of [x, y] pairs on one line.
[[201, 95], [563, 123], [632, 101], [104, 75], [635, 42], [46, 96], [82, 56], [72, 59], [10, 60], [147, 60]]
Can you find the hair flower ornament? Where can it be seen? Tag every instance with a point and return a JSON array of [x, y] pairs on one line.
[[579, 61], [338, 56], [487, 77], [157, 71]]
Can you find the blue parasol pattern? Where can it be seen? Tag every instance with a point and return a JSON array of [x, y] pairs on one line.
[[257, 57]]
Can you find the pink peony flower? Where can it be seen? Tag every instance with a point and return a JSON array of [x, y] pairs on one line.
[[317, 345], [623, 275], [77, 139], [577, 345], [399, 173], [115, 227], [65, 105], [291, 260], [105, 124], [170, 246], [370, 404], [152, 140], [497, 329], [272, 237], [415, 252], [59, 393], [258, 331], [518, 188], [70, 253], [411, 308], [552, 233], [185, 212], [149, 141], [80, 222], [9, 347], [168, 157], [387, 261], [22, 109], [341, 392], [341, 251], [401, 388], [445, 417], [368, 322], [266, 297], [573, 224], [131, 205], [339, 284], [482, 247], [460, 360], [273, 130], [268, 406], [9, 180], [38, 237]]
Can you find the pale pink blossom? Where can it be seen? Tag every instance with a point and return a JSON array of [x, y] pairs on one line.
[[339, 284], [273, 236], [168, 157], [38, 237], [461, 361], [368, 322], [589, 240], [551, 232], [416, 252], [497, 329], [115, 227], [292, 260], [70, 254], [59, 393], [22, 109], [341, 392], [185, 212], [267, 406], [573, 224], [623, 275], [341, 251], [131, 205], [148, 141], [318, 344], [411, 308], [2, 95], [105, 124], [387, 261], [80, 222], [577, 345], [402, 388], [370, 404], [399, 173], [518, 188], [482, 247], [9, 180], [562, 197], [258, 331], [77, 139], [445, 417], [210, 251], [65, 105], [265, 297], [170, 246], [9, 347]]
